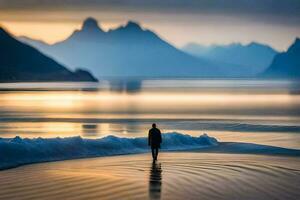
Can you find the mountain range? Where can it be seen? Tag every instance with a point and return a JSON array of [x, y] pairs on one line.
[[254, 57], [21, 62], [130, 51]]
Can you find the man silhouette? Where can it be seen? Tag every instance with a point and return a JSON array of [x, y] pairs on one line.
[[154, 140]]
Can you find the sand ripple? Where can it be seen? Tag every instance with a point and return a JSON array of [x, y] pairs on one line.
[[175, 176]]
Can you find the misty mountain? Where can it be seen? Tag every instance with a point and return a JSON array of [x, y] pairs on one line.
[[129, 51], [20, 62], [286, 64], [254, 58]]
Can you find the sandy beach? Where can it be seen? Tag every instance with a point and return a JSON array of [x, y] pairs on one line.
[[176, 174]]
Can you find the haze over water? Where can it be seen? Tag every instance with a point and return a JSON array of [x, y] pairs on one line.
[[257, 111]]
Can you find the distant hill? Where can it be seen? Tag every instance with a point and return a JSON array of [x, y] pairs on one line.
[[129, 51], [286, 64], [254, 58], [20, 62]]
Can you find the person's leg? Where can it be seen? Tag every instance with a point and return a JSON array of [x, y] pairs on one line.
[[153, 153], [156, 153]]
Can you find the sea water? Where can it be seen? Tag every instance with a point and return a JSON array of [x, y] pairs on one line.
[[255, 111]]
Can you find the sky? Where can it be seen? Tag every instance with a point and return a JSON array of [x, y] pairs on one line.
[[273, 22]]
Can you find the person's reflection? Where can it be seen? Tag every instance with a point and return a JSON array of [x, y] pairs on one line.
[[155, 178]]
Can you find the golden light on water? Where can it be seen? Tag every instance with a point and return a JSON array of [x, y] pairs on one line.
[[41, 129], [104, 112], [104, 128], [108, 101]]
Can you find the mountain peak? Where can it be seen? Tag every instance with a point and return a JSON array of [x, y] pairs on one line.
[[254, 44], [5, 35], [129, 28], [286, 64], [295, 46], [297, 41], [133, 25], [3, 31], [91, 24]]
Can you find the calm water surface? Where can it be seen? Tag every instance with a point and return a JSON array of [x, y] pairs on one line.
[[266, 112]]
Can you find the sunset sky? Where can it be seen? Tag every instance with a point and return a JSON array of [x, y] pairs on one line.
[[178, 21]]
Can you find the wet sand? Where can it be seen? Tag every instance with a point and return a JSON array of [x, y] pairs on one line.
[[177, 175]]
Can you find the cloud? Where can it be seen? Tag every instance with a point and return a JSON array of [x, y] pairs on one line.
[[278, 7], [279, 11]]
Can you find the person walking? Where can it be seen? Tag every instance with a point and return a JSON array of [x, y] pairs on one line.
[[154, 140]]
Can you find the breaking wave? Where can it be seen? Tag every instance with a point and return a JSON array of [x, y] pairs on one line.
[[18, 151]]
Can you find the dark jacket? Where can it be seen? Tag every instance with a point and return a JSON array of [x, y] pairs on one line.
[[154, 138]]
